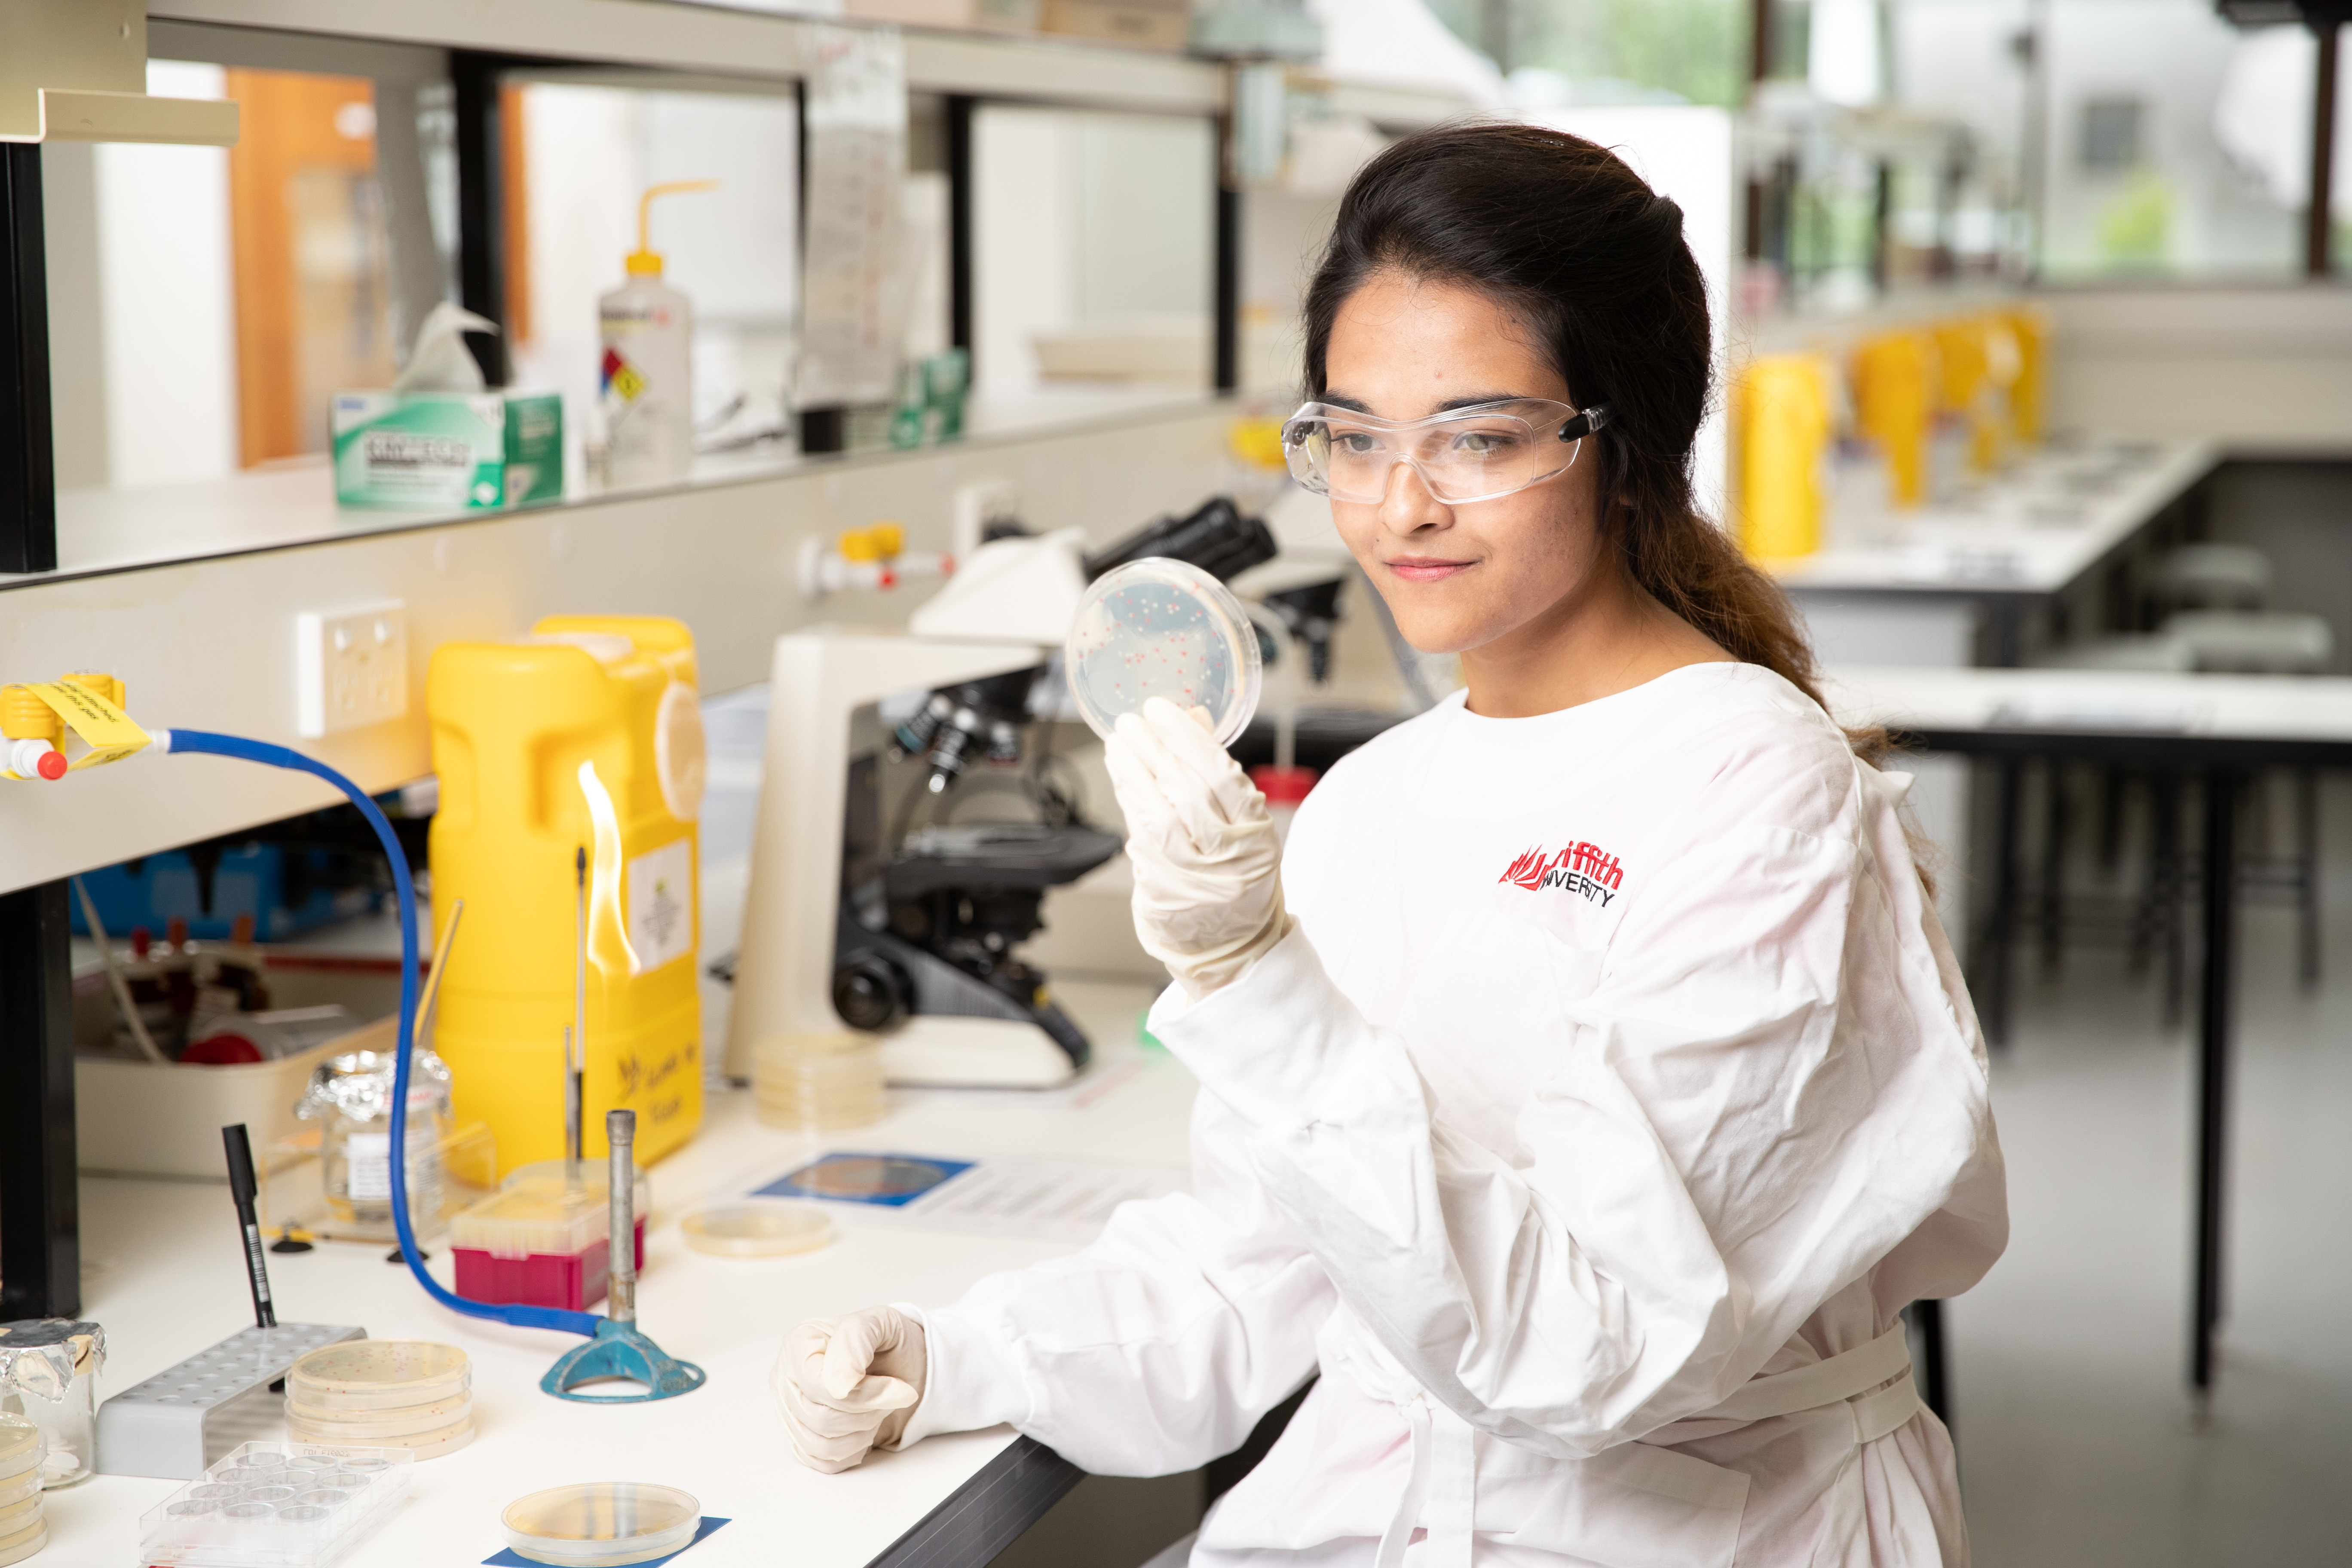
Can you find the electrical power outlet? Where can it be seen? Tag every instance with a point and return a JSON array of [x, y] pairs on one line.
[[350, 668], [978, 504]]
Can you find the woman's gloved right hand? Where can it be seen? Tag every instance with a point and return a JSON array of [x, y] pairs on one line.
[[1207, 860], [848, 1385]]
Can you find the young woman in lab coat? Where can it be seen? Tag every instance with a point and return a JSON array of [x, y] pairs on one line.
[[1590, 1083]]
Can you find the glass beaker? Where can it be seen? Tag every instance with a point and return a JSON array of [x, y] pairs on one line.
[[49, 1374], [350, 1096]]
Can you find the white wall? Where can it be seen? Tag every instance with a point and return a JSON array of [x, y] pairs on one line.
[[168, 300], [77, 314], [1685, 151], [733, 252], [1085, 220], [2260, 370], [1025, 264]]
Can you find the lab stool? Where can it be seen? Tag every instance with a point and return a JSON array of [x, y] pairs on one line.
[[2154, 652], [2235, 576], [2149, 920], [2254, 642]]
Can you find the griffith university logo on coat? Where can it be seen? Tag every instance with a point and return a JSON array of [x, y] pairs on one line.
[[1585, 869]]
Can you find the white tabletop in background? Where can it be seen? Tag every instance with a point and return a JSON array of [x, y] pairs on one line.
[[2034, 529], [161, 1273], [2221, 707]]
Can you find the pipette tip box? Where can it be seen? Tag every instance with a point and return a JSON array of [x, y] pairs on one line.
[[544, 1238]]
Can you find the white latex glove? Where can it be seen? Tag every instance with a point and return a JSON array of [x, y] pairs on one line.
[[848, 1385], [1207, 860]]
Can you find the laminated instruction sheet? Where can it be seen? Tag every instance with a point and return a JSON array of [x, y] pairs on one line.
[[1049, 1200]]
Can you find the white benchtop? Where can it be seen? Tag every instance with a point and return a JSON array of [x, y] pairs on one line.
[[2220, 706], [161, 1273], [2032, 530]]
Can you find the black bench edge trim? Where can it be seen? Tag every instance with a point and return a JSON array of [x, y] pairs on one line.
[[988, 1512]]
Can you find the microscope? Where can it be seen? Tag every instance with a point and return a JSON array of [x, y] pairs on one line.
[[852, 920]]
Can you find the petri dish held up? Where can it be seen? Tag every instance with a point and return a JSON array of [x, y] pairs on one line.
[[1158, 628]]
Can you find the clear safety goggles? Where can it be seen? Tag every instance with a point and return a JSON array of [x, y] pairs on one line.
[[1463, 455]]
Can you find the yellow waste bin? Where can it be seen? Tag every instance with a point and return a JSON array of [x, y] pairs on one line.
[[1784, 405], [584, 737]]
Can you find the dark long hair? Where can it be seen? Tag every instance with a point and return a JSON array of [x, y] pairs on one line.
[[1560, 232]]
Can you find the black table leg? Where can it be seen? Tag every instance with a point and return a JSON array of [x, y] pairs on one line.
[[40, 1216], [1997, 932], [2221, 792]]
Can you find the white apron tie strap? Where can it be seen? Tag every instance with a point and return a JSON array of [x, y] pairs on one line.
[[1399, 1533], [1442, 1491], [1841, 1376]]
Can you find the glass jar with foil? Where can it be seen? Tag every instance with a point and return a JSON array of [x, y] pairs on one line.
[[49, 1374], [349, 1097]]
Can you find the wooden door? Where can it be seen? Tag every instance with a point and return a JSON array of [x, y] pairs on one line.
[[308, 237]]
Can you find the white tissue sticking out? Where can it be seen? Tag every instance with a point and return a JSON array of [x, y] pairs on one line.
[[441, 361]]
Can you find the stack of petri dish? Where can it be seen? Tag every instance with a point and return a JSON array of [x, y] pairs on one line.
[[818, 1082], [601, 1524], [383, 1393], [22, 1530]]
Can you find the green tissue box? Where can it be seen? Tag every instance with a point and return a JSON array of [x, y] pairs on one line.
[[442, 450]]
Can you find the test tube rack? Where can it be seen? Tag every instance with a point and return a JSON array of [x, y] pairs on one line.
[[188, 1417]]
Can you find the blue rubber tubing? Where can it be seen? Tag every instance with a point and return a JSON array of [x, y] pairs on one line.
[[518, 1315]]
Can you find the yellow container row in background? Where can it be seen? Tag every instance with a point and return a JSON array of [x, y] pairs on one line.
[[1986, 371]]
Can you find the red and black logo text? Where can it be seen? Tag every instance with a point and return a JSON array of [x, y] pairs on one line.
[[1585, 869]]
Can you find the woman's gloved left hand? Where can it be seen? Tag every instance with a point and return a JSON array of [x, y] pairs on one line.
[[1207, 860], [849, 1385]]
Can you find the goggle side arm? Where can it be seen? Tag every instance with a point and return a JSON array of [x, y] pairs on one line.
[[1588, 421]]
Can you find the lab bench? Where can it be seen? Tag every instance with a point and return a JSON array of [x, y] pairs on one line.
[[2044, 532], [2217, 727], [163, 1273]]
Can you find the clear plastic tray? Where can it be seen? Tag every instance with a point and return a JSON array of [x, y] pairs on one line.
[[755, 1228], [1158, 628], [601, 1524], [379, 1374], [276, 1505]]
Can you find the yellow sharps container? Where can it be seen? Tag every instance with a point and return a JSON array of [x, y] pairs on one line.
[[1893, 406], [2029, 400], [587, 736], [1784, 430]]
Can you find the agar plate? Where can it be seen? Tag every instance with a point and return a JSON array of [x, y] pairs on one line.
[[1158, 628], [21, 1447], [379, 1374], [756, 1229]]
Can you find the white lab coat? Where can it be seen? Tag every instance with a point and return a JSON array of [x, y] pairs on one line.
[[1618, 1060]]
